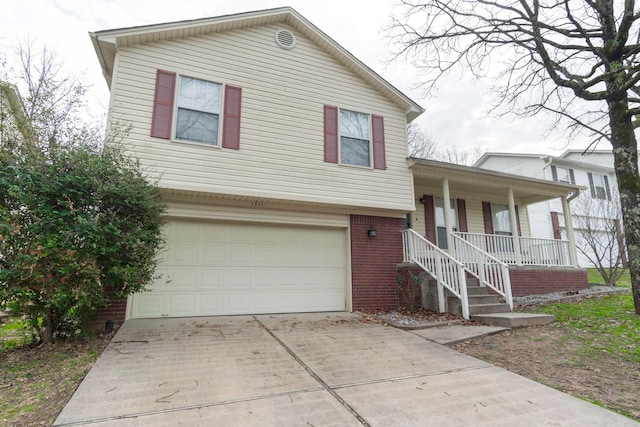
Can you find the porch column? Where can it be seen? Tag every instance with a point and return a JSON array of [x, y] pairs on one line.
[[568, 225], [447, 213], [514, 227]]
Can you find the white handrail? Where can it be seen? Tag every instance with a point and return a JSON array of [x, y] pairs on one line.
[[447, 271], [489, 270], [533, 251]]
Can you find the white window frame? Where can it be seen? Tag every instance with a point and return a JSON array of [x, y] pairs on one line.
[[560, 169], [498, 208], [438, 204], [599, 196], [219, 113], [341, 135]]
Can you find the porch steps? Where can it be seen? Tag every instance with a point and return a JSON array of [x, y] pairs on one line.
[[488, 309], [514, 320]]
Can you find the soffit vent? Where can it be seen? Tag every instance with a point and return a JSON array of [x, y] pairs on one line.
[[285, 39]]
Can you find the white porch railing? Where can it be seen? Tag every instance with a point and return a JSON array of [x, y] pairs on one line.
[[446, 270], [489, 271], [547, 252]]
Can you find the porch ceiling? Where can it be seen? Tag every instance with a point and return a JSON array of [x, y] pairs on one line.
[[467, 179]]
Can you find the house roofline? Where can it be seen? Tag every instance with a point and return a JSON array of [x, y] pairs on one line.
[[472, 171], [106, 44]]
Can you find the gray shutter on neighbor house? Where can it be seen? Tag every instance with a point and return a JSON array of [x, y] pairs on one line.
[[572, 176], [606, 185], [591, 186], [554, 173]]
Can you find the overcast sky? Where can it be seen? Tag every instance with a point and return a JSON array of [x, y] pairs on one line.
[[455, 116]]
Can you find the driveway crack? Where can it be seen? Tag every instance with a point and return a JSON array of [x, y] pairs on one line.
[[315, 376]]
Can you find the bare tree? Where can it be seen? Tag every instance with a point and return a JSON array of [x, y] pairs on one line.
[[599, 236], [421, 144], [576, 59], [54, 102]]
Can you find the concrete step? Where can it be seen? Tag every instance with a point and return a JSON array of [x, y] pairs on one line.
[[484, 299], [514, 320], [489, 308], [477, 290]]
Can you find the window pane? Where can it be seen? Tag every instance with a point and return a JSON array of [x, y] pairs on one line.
[[442, 238], [196, 126], [439, 202], [354, 125], [501, 221], [354, 151], [199, 95], [563, 175]]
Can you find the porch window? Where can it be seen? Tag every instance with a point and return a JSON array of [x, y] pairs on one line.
[[502, 227], [441, 229]]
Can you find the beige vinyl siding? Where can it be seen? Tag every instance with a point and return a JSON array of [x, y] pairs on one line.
[[282, 142], [473, 205]]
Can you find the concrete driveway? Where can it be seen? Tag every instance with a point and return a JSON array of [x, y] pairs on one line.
[[306, 370]]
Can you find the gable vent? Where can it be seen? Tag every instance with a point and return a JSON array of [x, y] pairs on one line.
[[285, 39]]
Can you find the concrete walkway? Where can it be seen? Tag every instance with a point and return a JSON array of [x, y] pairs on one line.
[[306, 370]]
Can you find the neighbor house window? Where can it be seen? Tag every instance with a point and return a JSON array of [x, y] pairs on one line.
[[599, 185], [560, 174], [198, 115], [355, 138], [441, 228]]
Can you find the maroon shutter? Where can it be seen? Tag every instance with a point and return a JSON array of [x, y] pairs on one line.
[[488, 217], [518, 222], [231, 121], [462, 216], [430, 218], [555, 225], [330, 134], [163, 104], [377, 134]]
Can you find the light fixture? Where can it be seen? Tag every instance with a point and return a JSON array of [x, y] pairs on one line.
[[423, 200], [372, 231]]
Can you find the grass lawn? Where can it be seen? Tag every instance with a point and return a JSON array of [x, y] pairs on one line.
[[594, 277], [591, 351], [36, 382]]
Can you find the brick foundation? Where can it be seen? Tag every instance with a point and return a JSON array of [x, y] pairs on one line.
[[538, 280], [115, 311], [374, 260]]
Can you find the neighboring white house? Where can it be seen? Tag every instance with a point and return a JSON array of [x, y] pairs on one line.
[[594, 211], [13, 123]]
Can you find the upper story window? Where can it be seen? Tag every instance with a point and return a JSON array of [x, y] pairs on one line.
[[355, 139], [198, 112], [599, 185], [560, 174]]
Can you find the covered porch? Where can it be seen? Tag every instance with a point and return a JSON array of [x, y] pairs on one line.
[[472, 223], [488, 210]]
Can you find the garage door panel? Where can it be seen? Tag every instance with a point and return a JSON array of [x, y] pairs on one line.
[[211, 278], [213, 268]]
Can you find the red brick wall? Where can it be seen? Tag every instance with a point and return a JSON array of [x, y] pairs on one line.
[[374, 260], [116, 311], [537, 280]]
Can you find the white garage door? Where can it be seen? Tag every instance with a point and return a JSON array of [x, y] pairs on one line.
[[212, 268]]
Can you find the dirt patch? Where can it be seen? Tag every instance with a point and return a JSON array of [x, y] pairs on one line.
[[36, 383], [420, 319], [556, 355]]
